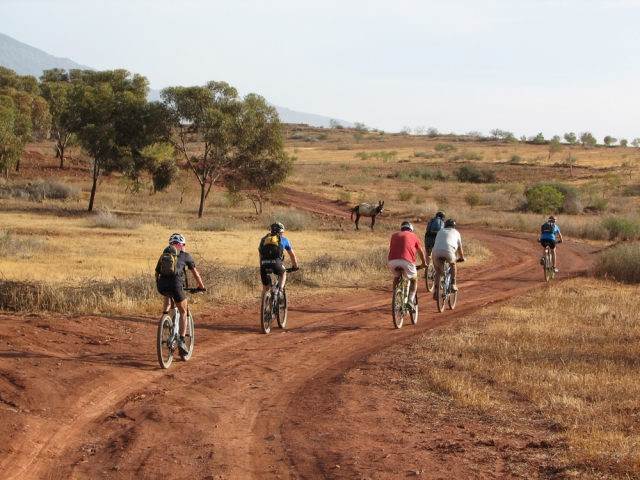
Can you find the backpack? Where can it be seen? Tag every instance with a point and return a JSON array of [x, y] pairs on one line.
[[168, 261], [434, 227], [271, 248], [547, 228]]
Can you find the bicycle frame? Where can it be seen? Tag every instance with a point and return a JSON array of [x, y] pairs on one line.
[[272, 306], [400, 302], [549, 272]]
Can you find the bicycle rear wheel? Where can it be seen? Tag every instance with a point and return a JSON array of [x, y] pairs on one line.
[[189, 338], [442, 293], [431, 276], [283, 310], [165, 343], [548, 269], [414, 315], [396, 308], [266, 315]]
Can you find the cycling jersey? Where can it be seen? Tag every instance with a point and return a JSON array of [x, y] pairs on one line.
[[404, 245], [550, 236]]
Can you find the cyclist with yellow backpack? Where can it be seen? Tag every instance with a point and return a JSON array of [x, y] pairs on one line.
[[271, 249]]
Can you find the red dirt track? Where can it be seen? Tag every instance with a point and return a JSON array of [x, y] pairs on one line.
[[83, 397]]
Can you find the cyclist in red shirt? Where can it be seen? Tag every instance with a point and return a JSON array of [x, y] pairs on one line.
[[402, 253]]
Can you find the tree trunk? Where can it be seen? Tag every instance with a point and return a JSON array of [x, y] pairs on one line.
[[60, 150], [18, 164], [202, 197], [96, 175]]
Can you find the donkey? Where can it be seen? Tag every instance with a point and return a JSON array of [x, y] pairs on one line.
[[367, 210]]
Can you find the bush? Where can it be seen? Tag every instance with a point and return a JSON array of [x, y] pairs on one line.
[[470, 174], [544, 199], [515, 159], [445, 147], [621, 228], [472, 199], [18, 247], [293, 220], [621, 262], [405, 195], [41, 190], [344, 147], [212, 225]]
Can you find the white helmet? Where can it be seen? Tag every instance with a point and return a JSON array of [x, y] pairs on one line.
[[177, 238]]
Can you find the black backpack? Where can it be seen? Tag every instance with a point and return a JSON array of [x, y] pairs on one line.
[[168, 262], [271, 248], [547, 227], [434, 226]]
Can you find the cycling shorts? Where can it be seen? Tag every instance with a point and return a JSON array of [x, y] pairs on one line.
[[408, 268], [270, 266], [445, 255], [547, 242], [172, 287]]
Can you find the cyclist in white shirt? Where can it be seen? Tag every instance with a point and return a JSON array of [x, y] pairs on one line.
[[448, 246]]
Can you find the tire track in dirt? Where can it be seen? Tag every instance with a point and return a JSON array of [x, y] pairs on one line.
[[248, 405]]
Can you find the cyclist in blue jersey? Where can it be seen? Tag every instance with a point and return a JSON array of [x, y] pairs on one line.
[[550, 236], [272, 248]]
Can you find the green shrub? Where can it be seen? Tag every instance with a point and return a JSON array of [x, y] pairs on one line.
[[345, 197], [515, 159], [362, 155], [344, 147], [470, 174], [40, 190], [544, 199], [11, 246], [472, 156], [472, 199], [621, 262], [293, 220], [405, 195], [445, 147], [621, 228]]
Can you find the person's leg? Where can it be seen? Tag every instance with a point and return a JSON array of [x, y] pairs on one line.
[[553, 257], [182, 308], [166, 305], [282, 279]]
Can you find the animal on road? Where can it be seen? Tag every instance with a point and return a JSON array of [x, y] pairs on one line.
[[367, 210]]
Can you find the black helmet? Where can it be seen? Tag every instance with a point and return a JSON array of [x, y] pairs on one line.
[[440, 214], [406, 226], [277, 228], [451, 223]]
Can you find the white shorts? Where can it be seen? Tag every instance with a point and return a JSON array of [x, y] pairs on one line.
[[409, 268], [446, 254]]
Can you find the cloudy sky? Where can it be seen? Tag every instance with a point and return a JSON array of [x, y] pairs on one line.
[[526, 66]]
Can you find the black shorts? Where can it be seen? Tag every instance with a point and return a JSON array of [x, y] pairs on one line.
[[270, 266], [172, 287], [428, 243], [545, 242]]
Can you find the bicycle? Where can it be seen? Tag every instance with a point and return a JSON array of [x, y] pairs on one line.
[[272, 307], [169, 333], [399, 304], [546, 261], [430, 275], [444, 293]]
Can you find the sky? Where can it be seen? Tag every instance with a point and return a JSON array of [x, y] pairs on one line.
[[524, 66]]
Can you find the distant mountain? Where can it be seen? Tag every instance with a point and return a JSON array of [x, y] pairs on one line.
[[26, 60]]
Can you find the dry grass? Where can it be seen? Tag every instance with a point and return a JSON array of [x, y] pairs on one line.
[[565, 359]]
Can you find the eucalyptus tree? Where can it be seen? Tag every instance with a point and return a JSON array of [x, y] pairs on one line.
[[112, 120], [23, 114], [260, 162], [204, 130], [55, 86]]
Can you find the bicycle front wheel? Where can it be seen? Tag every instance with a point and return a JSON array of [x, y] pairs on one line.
[[453, 298], [431, 276], [442, 293], [548, 269], [265, 313], [189, 338], [396, 308], [283, 310], [414, 315], [165, 343]]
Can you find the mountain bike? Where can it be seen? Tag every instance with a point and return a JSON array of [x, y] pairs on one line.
[[547, 264], [274, 307], [444, 293], [430, 275], [400, 303], [169, 333]]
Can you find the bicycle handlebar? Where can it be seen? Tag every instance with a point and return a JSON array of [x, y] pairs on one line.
[[292, 269], [460, 260], [196, 290]]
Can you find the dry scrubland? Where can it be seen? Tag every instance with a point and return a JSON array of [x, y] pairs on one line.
[[563, 359]]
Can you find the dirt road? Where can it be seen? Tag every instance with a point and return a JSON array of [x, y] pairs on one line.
[[84, 397]]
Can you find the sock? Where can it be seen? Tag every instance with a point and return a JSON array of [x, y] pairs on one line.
[[412, 296]]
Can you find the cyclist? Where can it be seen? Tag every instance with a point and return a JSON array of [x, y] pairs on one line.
[[448, 243], [402, 253], [547, 238], [271, 249], [172, 286], [433, 227]]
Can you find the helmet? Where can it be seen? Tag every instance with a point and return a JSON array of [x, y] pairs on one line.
[[553, 218], [451, 223], [406, 226], [277, 227], [440, 214], [177, 238]]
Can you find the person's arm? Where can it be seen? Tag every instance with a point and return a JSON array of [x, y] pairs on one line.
[[460, 250], [196, 275], [560, 235], [292, 256], [423, 257]]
